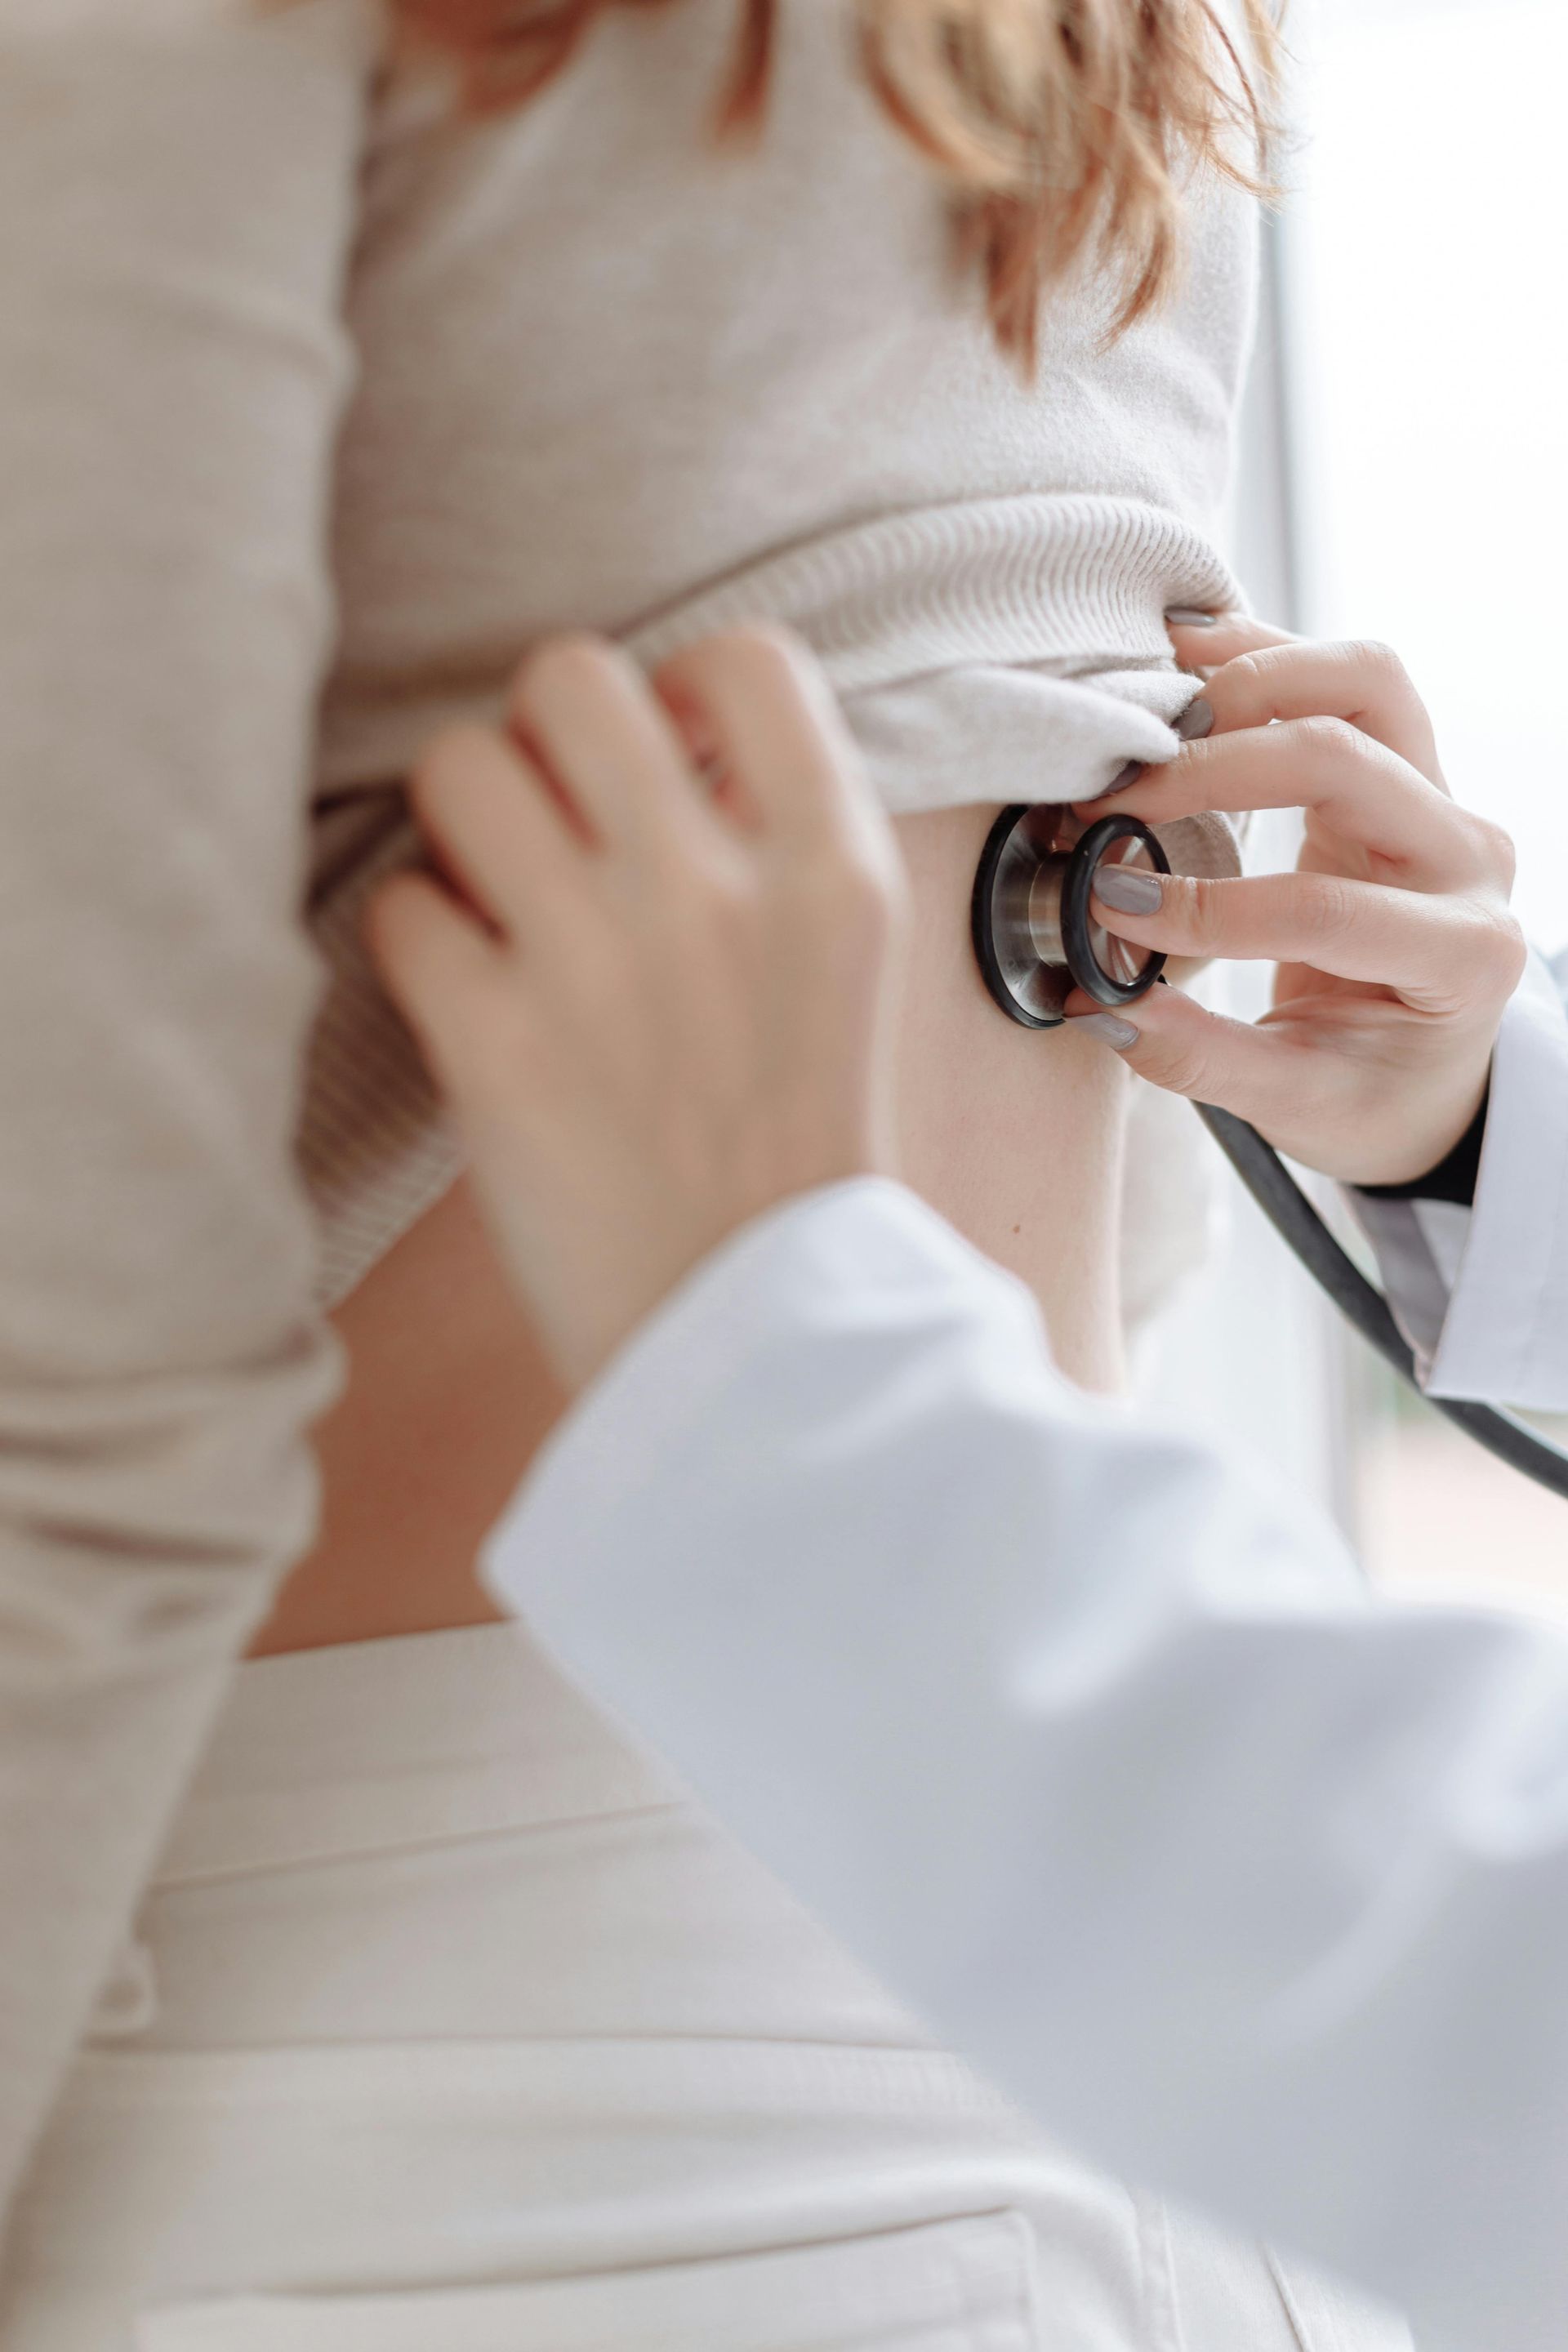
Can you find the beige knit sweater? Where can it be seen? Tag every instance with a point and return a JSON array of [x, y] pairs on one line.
[[315, 407]]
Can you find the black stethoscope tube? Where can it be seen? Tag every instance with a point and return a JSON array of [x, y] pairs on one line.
[[1030, 962], [1293, 1217]]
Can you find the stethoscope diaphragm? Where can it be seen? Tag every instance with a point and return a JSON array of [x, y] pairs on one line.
[[1035, 937], [1036, 941]]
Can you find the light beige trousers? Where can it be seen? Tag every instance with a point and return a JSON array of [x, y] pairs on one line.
[[451, 2025]]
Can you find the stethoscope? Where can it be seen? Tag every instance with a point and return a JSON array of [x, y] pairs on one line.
[[1036, 938]]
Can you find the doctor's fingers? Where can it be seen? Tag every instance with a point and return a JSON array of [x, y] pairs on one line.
[[758, 703], [1306, 1094], [1440, 954], [1377, 803], [1283, 1087], [1365, 684], [453, 986], [1205, 644], [496, 830], [586, 712]]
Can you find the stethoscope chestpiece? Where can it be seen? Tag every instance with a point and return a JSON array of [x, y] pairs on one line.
[[1034, 938]]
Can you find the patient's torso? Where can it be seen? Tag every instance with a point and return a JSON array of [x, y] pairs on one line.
[[608, 361], [613, 373], [1015, 1136]]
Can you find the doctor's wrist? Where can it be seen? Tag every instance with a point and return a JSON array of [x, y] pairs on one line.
[[1456, 1175]]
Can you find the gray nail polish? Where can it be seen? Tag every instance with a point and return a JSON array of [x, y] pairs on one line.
[[1118, 1034], [1195, 721], [1128, 888], [1123, 779], [1187, 616]]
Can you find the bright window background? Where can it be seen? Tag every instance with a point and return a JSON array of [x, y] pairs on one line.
[[1427, 335], [1404, 476], [1425, 315]]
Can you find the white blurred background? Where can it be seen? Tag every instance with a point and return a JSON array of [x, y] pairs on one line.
[[1404, 476]]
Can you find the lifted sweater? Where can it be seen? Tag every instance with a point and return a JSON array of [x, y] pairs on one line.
[[317, 404]]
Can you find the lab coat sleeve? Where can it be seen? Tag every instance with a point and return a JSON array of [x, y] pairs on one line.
[[1255, 1887], [1481, 1293]]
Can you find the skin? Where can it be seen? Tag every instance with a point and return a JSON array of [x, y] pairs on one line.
[[639, 1070], [1393, 946], [450, 1392]]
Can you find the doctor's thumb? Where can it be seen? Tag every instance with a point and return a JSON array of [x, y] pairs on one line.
[[1182, 1048]]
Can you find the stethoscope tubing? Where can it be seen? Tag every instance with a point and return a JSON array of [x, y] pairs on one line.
[[1297, 1223], [1256, 1161]]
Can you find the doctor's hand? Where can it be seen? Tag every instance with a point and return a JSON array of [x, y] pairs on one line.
[[1395, 947], [653, 967]]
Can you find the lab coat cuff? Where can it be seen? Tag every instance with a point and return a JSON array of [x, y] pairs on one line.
[[1482, 1293], [795, 1271]]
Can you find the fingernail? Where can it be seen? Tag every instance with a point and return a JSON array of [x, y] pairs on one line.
[[1118, 1034], [1195, 721], [1187, 616], [1128, 888], [1120, 783]]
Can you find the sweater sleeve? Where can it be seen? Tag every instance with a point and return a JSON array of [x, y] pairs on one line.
[[177, 192]]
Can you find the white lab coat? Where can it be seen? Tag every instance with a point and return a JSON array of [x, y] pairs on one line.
[[1253, 1885]]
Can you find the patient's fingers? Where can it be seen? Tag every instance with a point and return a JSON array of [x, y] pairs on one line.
[[1438, 953]]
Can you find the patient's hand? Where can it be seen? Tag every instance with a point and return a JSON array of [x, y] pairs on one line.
[[1395, 949], [657, 987]]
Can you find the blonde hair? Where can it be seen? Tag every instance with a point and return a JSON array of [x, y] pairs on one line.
[[1062, 128]]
